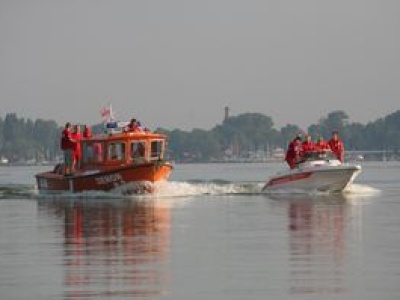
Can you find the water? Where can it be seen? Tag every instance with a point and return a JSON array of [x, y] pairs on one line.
[[207, 234]]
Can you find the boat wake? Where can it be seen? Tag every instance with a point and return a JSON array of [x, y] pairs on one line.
[[17, 192], [175, 189], [168, 189], [362, 190], [353, 190]]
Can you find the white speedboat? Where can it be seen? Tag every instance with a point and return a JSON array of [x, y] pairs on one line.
[[317, 171]]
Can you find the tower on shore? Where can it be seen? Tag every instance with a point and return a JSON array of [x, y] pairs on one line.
[[226, 113]]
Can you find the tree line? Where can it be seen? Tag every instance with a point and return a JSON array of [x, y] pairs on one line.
[[250, 132], [23, 139]]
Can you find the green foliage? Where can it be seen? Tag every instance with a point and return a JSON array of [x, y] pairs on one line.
[[249, 130], [22, 139], [383, 134], [336, 120], [287, 134], [253, 131]]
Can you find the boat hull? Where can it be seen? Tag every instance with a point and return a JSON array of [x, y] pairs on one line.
[[127, 179], [322, 179]]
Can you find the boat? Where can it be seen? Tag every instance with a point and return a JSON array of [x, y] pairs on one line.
[[3, 161], [124, 162], [317, 171]]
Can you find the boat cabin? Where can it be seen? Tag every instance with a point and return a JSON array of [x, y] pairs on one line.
[[122, 149]]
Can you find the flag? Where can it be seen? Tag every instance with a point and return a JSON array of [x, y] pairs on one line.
[[106, 113]]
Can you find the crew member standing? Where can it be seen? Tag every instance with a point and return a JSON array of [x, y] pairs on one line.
[[67, 145], [293, 152], [337, 146], [87, 132], [77, 136], [133, 126]]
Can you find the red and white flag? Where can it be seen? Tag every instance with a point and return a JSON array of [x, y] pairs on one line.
[[106, 113]]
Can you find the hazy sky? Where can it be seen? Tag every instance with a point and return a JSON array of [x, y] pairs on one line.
[[176, 64]]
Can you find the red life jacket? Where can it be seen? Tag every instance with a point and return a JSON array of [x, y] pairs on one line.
[[337, 148], [322, 146], [87, 133], [66, 142], [293, 153], [76, 146], [308, 146]]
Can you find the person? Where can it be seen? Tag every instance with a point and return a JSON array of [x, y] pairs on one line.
[[322, 145], [77, 155], [113, 152], [307, 145], [98, 152], [293, 152], [133, 126], [336, 145], [139, 126], [140, 150], [87, 132], [67, 145]]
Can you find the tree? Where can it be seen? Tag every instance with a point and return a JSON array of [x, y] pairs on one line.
[[249, 131], [288, 133], [22, 139], [335, 120]]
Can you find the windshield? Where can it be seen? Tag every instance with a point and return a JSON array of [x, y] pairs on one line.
[[318, 155]]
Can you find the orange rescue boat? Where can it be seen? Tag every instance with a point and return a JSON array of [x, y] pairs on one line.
[[125, 162]]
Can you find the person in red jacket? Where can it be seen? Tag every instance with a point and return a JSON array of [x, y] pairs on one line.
[[293, 152], [87, 132], [133, 126], [322, 145], [337, 146], [67, 145], [308, 145], [77, 136]]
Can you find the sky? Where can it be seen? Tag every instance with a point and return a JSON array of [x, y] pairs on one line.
[[178, 63]]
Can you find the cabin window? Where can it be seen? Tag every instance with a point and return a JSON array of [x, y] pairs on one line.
[[92, 152], [116, 151], [156, 150], [138, 151]]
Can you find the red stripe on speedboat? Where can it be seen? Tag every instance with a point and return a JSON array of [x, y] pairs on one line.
[[288, 178]]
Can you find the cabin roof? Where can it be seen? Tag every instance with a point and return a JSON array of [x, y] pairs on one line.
[[126, 136]]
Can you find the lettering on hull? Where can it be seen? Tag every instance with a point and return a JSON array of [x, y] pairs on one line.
[[107, 179]]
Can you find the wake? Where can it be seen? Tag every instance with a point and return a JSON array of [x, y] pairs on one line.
[[360, 189], [178, 189], [168, 189], [354, 190], [175, 189]]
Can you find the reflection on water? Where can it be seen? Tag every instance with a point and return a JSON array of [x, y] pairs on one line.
[[111, 248], [316, 231]]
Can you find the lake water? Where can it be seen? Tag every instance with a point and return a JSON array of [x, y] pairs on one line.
[[208, 234]]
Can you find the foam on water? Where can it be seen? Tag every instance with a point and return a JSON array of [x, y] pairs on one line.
[[174, 189], [352, 190], [360, 189], [169, 189], [16, 191]]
